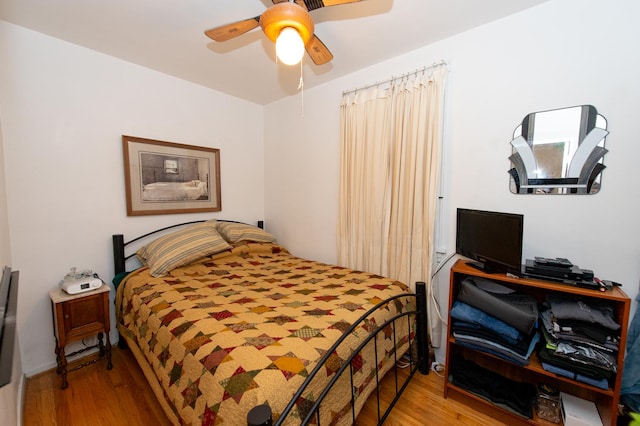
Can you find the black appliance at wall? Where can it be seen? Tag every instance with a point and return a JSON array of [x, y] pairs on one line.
[[8, 309]]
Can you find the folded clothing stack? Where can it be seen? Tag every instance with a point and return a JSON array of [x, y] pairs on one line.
[[492, 318], [581, 339]]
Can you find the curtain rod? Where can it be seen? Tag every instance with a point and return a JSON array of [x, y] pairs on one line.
[[392, 79]]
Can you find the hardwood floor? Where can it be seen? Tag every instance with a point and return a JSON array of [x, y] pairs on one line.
[[94, 397], [122, 397]]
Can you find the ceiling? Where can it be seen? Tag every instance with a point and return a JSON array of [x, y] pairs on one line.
[[168, 36]]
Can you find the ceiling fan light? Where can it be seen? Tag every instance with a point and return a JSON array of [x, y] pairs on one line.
[[289, 46]]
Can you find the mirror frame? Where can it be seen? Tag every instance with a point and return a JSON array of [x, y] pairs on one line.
[[581, 173]]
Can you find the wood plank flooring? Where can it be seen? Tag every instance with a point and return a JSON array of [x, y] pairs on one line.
[[122, 397]]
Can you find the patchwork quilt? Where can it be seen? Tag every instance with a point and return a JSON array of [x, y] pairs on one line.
[[247, 326]]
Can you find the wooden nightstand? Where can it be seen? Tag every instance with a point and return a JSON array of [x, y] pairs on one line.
[[77, 316]]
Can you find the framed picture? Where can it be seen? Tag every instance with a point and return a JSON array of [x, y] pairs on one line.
[[167, 178]]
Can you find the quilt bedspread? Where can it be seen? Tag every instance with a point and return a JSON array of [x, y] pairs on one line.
[[247, 326]]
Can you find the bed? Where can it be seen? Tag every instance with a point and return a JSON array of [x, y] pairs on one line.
[[241, 329], [174, 191]]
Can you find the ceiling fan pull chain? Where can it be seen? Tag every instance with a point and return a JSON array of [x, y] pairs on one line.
[[301, 88]]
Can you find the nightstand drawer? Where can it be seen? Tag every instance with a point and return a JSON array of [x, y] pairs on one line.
[[84, 316]]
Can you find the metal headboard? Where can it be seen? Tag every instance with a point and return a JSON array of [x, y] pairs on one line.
[[119, 245]]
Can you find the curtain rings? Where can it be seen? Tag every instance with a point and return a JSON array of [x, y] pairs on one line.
[[394, 81]]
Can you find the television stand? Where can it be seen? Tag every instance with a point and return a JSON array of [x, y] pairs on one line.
[[606, 400]]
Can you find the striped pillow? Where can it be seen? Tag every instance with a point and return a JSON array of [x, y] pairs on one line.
[[143, 252], [236, 232], [182, 247]]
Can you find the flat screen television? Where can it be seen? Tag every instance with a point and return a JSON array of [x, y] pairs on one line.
[[492, 239]]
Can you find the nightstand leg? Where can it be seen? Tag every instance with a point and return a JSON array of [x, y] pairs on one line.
[[58, 369], [100, 344], [63, 368], [109, 364]]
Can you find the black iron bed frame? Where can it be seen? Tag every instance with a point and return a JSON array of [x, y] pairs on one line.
[[261, 415]]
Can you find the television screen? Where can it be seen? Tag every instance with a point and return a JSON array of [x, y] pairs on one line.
[[493, 239]]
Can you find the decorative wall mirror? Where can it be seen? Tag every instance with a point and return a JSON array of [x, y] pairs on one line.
[[559, 152]]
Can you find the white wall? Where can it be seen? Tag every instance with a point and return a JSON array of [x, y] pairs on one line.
[[561, 53], [63, 111]]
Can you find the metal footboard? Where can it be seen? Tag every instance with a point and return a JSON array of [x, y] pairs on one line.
[[262, 416]]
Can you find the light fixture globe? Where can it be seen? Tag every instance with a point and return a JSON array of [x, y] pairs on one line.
[[287, 16], [289, 46]]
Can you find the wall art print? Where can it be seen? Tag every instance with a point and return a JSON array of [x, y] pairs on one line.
[[169, 178]]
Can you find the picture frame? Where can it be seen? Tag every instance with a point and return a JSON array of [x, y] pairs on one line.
[[170, 178]]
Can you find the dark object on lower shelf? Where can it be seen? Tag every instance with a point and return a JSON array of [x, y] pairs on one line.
[[548, 404], [514, 396]]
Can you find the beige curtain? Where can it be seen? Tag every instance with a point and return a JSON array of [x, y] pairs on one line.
[[390, 167]]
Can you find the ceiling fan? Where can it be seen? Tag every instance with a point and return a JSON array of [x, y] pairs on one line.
[[287, 23]]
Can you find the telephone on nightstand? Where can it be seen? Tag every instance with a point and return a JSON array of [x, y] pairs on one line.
[[78, 282]]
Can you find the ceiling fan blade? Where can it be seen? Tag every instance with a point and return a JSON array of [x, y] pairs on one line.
[[301, 3], [318, 51], [229, 31], [317, 4]]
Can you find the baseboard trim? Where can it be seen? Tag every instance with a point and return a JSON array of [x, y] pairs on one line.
[[21, 397]]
